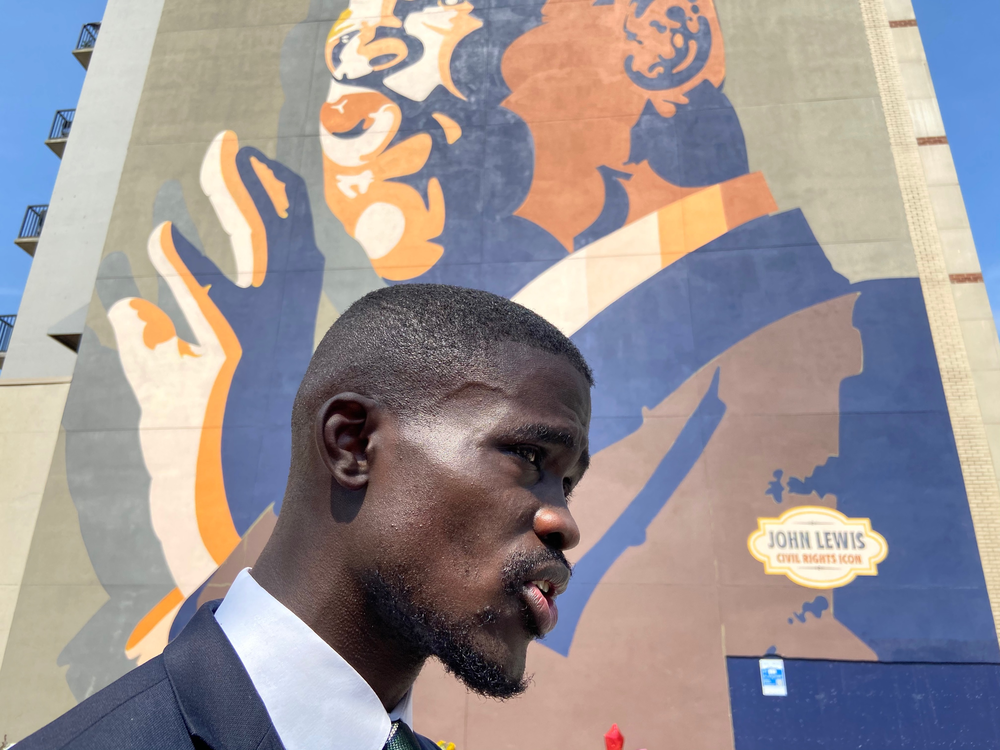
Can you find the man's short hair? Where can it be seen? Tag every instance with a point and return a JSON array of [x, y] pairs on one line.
[[403, 344]]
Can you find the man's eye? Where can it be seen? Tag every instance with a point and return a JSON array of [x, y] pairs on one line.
[[532, 455]]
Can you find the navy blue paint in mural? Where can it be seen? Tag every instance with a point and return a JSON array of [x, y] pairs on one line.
[[816, 608], [615, 210], [666, 74], [867, 705], [629, 529], [898, 464], [774, 488], [274, 324], [702, 144]]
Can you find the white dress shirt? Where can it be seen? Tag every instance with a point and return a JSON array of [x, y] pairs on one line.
[[315, 699]]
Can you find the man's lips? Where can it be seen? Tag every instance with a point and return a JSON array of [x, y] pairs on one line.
[[540, 592]]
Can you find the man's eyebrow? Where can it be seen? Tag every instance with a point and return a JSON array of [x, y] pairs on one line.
[[544, 433]]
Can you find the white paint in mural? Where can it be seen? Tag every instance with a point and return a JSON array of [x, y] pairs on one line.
[[379, 228], [172, 381], [235, 224]]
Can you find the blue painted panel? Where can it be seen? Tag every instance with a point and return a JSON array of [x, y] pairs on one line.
[[867, 705]]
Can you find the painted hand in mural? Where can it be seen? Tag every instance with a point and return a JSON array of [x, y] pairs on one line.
[[254, 339], [273, 317], [178, 385]]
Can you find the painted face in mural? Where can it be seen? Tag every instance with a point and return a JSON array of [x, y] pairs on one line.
[[393, 69], [371, 46]]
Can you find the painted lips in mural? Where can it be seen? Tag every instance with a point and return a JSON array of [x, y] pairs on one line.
[[582, 159]]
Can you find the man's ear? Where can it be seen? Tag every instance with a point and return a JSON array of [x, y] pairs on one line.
[[343, 427]]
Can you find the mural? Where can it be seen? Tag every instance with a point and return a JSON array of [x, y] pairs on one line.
[[583, 159]]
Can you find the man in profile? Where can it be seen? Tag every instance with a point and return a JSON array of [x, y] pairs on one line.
[[437, 435]]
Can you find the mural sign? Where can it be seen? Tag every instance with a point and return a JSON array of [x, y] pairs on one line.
[[816, 547]]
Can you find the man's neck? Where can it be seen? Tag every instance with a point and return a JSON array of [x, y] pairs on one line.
[[332, 604]]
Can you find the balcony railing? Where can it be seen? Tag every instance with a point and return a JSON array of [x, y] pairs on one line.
[[88, 36], [6, 328], [59, 132], [85, 45], [62, 123], [31, 228]]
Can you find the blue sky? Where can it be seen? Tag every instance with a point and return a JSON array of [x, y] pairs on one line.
[[42, 76], [961, 40]]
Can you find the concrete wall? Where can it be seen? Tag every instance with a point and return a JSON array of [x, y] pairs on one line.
[[28, 436], [37, 370]]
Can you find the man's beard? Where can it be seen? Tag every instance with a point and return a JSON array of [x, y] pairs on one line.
[[424, 633]]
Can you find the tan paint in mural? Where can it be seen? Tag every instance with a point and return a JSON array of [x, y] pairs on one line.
[[669, 611]]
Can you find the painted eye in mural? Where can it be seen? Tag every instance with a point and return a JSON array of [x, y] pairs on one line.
[[672, 44], [337, 55]]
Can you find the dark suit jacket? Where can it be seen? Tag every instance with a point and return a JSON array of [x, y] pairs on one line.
[[195, 695]]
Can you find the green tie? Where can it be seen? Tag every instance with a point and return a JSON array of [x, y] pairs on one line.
[[401, 738]]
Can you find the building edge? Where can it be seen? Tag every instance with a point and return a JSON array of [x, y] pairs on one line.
[[38, 369], [961, 322]]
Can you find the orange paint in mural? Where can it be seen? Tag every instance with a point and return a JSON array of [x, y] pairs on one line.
[[461, 25], [344, 114], [704, 216], [746, 198], [153, 618], [569, 82], [214, 519], [245, 204], [389, 219], [158, 327], [274, 187], [452, 130]]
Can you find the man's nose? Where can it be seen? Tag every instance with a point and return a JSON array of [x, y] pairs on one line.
[[556, 527]]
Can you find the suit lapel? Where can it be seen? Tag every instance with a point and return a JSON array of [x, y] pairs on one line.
[[217, 699]]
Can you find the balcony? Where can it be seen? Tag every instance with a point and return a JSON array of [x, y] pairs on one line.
[[6, 328], [31, 228], [85, 45], [59, 132]]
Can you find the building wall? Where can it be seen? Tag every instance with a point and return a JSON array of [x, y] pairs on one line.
[[734, 220], [38, 369]]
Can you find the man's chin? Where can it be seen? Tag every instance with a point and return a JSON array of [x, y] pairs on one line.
[[473, 650], [485, 677]]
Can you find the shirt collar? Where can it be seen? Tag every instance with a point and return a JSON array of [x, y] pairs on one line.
[[315, 699]]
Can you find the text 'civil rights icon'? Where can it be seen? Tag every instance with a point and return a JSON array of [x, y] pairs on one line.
[[817, 547]]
